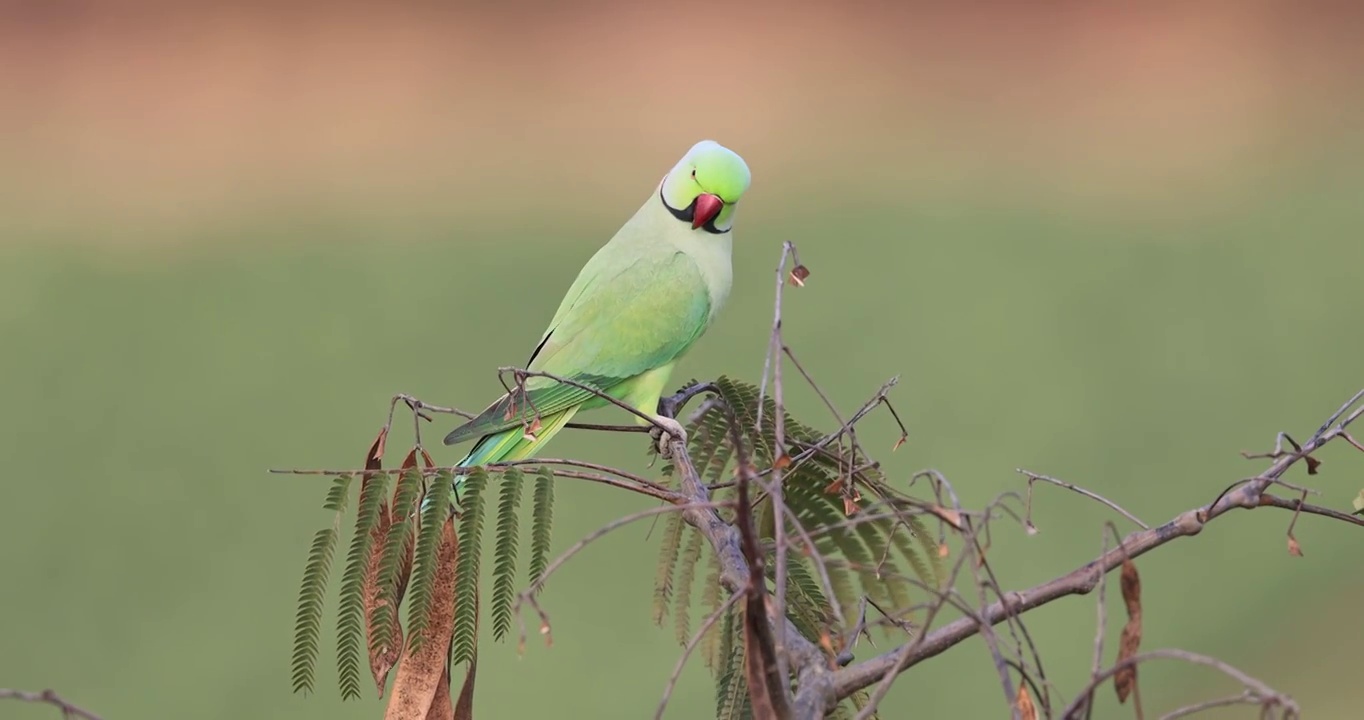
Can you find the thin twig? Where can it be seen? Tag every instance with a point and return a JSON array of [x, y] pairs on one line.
[[1033, 477], [1242, 698], [626, 481], [521, 374], [1286, 504], [775, 488], [528, 594], [788, 249], [48, 697], [600, 427], [689, 649], [1263, 694]]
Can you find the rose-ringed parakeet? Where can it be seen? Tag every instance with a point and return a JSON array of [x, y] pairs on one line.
[[636, 307]]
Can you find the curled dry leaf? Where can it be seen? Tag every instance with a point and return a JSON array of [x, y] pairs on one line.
[[947, 515], [421, 673], [798, 275], [782, 462], [441, 706], [374, 458], [1024, 704], [943, 550], [464, 707], [1294, 548], [383, 656], [1312, 464], [1125, 680], [530, 430]]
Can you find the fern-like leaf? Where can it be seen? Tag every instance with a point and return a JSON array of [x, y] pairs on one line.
[[710, 602], [708, 436], [542, 521], [904, 536], [817, 515], [338, 495], [691, 557], [504, 552], [310, 597], [425, 557], [886, 582], [732, 685], [465, 639], [350, 625], [860, 699], [667, 564], [805, 602]]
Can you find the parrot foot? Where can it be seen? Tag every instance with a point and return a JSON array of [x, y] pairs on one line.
[[663, 438]]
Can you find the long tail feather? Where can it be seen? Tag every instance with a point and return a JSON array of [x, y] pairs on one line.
[[510, 444]]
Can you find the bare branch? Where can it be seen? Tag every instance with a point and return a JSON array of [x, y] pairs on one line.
[[1034, 477], [687, 651], [1244, 698], [48, 697], [1259, 693], [1082, 580], [528, 594]]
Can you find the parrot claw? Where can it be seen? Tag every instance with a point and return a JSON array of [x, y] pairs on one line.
[[663, 437]]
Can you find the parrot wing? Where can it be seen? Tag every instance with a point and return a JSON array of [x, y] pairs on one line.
[[625, 315]]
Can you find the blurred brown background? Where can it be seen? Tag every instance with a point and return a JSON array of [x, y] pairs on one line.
[[1112, 242], [303, 102]]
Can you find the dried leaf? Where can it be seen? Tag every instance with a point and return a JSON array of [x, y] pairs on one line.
[[798, 275], [849, 506], [899, 442], [441, 709], [943, 550], [374, 459], [947, 515], [782, 462], [1125, 680], [420, 674], [1312, 464], [1294, 548], [383, 656], [464, 707], [1026, 710]]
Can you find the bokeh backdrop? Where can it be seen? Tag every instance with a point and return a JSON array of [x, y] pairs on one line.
[[1114, 243]]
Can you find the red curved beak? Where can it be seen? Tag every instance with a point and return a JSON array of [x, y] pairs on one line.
[[707, 207]]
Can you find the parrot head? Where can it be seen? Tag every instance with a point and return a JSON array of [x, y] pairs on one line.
[[704, 186]]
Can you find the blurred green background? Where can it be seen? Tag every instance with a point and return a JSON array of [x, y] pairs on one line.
[[1113, 245]]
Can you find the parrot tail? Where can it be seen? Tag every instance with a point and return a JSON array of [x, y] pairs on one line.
[[510, 444]]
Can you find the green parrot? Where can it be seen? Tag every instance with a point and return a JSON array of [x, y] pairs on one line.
[[635, 309]]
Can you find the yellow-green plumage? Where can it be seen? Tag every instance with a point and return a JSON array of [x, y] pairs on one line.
[[635, 308]]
